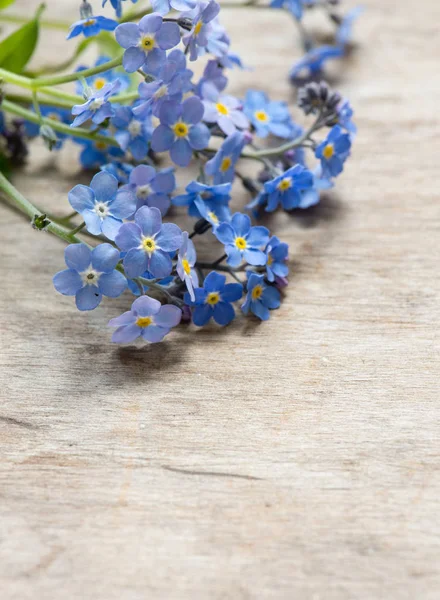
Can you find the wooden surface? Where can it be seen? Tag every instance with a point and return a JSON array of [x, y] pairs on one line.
[[294, 460]]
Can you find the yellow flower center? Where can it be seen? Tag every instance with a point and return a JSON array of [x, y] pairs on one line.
[[285, 184], [149, 245], [261, 115], [257, 292], [186, 266], [147, 43], [144, 321], [225, 164], [100, 146], [213, 217], [269, 260], [89, 22], [197, 28], [213, 298], [240, 243], [328, 151], [222, 109], [99, 83], [180, 129]]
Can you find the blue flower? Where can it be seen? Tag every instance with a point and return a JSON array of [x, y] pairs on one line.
[[293, 6], [186, 260], [276, 253], [313, 61], [180, 130], [266, 116], [152, 188], [98, 81], [117, 5], [146, 43], [333, 152], [343, 34], [213, 76], [197, 39], [213, 212], [286, 188], [148, 243], [243, 241], [90, 275], [260, 297], [214, 300], [147, 319], [311, 196], [119, 170], [163, 7], [50, 112], [97, 108], [225, 111], [101, 205], [345, 115], [222, 165], [167, 86], [215, 194], [131, 134], [95, 154], [91, 26]]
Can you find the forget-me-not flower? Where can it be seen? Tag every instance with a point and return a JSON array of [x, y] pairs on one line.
[[132, 134], [222, 165], [146, 42], [91, 26], [213, 212], [152, 188], [267, 116], [197, 39], [90, 275], [98, 107], [102, 205], [334, 151], [260, 297], [98, 81], [214, 300], [225, 111], [147, 319], [186, 259], [286, 188], [180, 130], [313, 61], [163, 7], [242, 241], [276, 253], [148, 243], [215, 194]]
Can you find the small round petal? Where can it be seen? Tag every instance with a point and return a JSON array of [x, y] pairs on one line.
[[81, 197], [271, 297], [127, 35], [241, 224], [170, 237], [150, 23], [104, 186], [146, 306], [129, 236], [105, 258], [112, 284], [223, 313], [214, 282], [135, 262], [255, 257], [110, 227], [88, 297], [260, 311], [224, 233], [124, 204], [168, 316], [258, 236], [160, 264], [202, 314], [181, 152], [192, 110], [162, 139], [67, 282], [199, 136], [149, 220], [168, 36], [234, 256], [142, 175], [126, 334], [232, 292], [154, 334], [127, 318], [77, 257], [133, 59]]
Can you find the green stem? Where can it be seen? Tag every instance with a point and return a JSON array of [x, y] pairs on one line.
[[23, 99], [58, 79], [78, 228], [19, 111], [18, 20], [32, 211]]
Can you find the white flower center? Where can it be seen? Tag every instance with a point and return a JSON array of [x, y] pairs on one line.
[[135, 128], [143, 191], [90, 276], [102, 209], [96, 104]]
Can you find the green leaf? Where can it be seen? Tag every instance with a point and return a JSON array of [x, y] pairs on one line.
[[5, 3], [17, 49]]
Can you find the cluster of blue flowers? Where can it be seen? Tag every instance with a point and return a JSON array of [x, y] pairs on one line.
[[177, 120]]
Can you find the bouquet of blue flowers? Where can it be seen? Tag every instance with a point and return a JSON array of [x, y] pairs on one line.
[[139, 115]]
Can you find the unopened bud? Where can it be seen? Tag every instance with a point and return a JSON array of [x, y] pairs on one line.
[[49, 136]]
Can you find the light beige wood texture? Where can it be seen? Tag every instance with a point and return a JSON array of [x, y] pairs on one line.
[[296, 459]]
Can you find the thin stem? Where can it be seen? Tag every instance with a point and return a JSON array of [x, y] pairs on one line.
[[78, 228], [36, 105], [27, 208], [19, 111], [58, 79], [23, 99], [225, 268]]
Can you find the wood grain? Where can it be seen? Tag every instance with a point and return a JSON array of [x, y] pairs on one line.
[[297, 459]]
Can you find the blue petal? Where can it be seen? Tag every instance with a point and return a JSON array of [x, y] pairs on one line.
[[181, 152], [223, 313], [127, 35], [146, 306], [160, 264], [154, 334], [170, 237], [258, 236], [135, 262], [129, 236], [162, 139], [232, 292], [105, 186], [214, 282], [126, 334], [110, 227], [199, 136], [202, 314], [271, 297], [88, 297], [67, 282], [112, 284], [81, 198], [149, 220], [241, 224], [255, 257], [260, 311], [105, 258], [133, 59], [77, 257], [168, 316]]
